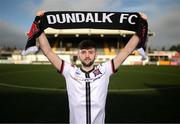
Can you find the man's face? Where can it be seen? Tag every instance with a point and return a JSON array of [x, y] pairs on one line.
[[87, 56]]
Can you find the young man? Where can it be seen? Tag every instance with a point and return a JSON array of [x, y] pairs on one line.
[[87, 86]]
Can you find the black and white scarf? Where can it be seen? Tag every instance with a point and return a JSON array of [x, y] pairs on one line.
[[131, 21]]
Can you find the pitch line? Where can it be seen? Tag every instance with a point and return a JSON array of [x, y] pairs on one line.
[[55, 89], [30, 88]]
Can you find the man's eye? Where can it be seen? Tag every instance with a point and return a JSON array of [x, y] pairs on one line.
[[91, 52], [83, 52]]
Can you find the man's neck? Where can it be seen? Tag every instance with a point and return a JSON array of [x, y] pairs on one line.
[[87, 68]]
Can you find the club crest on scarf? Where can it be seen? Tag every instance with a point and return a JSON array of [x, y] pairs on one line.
[[34, 29], [96, 72]]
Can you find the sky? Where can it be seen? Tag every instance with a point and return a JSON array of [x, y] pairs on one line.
[[16, 17]]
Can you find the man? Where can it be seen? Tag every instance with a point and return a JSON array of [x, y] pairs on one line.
[[87, 86]]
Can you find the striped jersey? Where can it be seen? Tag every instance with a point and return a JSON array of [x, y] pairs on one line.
[[87, 92]]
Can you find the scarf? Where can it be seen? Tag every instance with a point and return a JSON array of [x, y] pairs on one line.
[[93, 20]]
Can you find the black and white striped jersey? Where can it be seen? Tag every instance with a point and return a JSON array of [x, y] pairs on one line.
[[87, 92]]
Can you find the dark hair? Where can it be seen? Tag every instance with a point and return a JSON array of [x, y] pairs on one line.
[[87, 44]]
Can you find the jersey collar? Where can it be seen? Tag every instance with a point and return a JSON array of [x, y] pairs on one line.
[[87, 72]]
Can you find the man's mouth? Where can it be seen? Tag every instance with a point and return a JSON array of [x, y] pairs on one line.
[[87, 59]]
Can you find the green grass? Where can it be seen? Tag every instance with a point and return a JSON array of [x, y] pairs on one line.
[[24, 100], [43, 76], [145, 76], [128, 77]]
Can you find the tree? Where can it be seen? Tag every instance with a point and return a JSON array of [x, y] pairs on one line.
[[175, 48]]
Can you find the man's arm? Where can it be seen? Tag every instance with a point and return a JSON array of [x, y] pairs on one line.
[[46, 49], [130, 46]]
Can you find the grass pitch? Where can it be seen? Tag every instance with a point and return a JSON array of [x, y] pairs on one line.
[[36, 93]]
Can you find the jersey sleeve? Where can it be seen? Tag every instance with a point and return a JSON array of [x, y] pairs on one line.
[[109, 67], [65, 68]]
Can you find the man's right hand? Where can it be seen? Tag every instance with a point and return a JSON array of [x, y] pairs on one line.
[[143, 16]]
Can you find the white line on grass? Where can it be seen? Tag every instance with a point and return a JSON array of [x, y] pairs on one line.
[[30, 88], [55, 89]]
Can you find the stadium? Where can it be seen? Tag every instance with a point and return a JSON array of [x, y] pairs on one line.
[[64, 42], [32, 91]]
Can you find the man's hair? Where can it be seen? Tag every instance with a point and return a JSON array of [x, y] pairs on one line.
[[87, 44]]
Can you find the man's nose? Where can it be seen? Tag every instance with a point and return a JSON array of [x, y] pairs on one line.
[[86, 55]]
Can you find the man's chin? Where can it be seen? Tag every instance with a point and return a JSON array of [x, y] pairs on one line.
[[87, 64]]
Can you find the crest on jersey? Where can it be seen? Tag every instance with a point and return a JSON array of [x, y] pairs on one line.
[[96, 72]]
